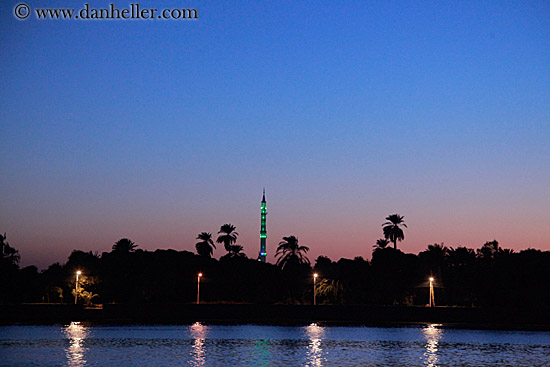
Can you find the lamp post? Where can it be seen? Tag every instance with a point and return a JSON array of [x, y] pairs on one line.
[[432, 295], [198, 286], [76, 287], [315, 275]]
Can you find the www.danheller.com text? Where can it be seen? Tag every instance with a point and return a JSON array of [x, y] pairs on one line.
[[133, 11]]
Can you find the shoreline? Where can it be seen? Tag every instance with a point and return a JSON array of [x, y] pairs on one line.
[[329, 315]]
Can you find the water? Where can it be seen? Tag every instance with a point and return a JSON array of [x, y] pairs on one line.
[[78, 345]]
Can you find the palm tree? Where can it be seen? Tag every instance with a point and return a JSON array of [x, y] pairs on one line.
[[435, 256], [438, 250], [234, 252], [381, 244], [290, 253], [392, 231], [124, 245], [461, 256], [228, 237], [206, 245]]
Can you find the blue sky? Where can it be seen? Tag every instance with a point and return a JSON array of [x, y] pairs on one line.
[[346, 113]]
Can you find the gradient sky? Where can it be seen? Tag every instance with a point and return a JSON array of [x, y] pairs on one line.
[[345, 111]]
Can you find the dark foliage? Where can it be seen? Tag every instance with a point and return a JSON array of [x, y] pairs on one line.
[[392, 230], [205, 247], [124, 245], [227, 236], [488, 277]]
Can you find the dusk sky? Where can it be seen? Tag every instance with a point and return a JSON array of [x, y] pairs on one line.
[[345, 112]]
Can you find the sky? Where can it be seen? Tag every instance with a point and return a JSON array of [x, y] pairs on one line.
[[346, 112]]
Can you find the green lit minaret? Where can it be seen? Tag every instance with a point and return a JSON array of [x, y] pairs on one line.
[[263, 230]]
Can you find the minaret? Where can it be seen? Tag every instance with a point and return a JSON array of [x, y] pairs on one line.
[[263, 230]]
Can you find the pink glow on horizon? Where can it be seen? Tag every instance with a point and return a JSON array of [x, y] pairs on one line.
[[341, 240]]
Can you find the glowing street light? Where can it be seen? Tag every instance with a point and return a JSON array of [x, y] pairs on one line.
[[198, 286], [314, 284], [432, 295], [76, 287]]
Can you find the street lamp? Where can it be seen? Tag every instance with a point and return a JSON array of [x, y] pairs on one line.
[[198, 286], [76, 287], [315, 275], [432, 295]]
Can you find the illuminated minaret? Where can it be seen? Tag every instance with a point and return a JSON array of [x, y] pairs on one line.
[[263, 230]]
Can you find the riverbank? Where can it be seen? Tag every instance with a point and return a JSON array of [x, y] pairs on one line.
[[275, 315]]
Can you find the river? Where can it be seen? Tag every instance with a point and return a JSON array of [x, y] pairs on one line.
[[77, 345]]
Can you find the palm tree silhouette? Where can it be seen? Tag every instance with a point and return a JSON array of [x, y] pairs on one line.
[[435, 256], [236, 251], [228, 237], [290, 253], [206, 245], [124, 245], [381, 244], [461, 256], [438, 250], [392, 231]]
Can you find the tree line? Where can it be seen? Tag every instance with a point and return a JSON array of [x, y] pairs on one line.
[[489, 276]]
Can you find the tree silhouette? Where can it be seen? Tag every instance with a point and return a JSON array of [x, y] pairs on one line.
[[391, 229], [124, 245], [8, 254], [10, 275], [494, 277], [290, 253], [435, 253], [461, 257], [228, 236], [489, 250], [206, 245], [235, 252], [506, 252], [381, 244], [434, 258]]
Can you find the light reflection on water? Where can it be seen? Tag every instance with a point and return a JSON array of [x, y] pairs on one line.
[[76, 334], [78, 345], [198, 354], [315, 334], [432, 333], [262, 354]]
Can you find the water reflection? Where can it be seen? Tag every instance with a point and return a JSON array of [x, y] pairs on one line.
[[262, 353], [198, 354], [76, 333], [315, 334], [433, 334], [245, 345]]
